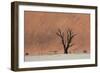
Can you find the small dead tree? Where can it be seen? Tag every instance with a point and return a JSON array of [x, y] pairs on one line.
[[66, 40]]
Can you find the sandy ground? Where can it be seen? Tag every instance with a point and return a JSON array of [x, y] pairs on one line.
[[57, 57]]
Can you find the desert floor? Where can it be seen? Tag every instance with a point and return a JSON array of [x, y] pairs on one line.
[[57, 57]]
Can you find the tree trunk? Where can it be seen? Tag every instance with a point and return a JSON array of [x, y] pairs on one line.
[[65, 51]]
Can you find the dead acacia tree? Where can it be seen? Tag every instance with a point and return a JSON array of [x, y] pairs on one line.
[[66, 40]]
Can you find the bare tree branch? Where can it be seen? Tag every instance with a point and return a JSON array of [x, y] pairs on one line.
[[71, 45], [61, 35]]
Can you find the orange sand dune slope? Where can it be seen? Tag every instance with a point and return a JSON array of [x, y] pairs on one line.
[[41, 27]]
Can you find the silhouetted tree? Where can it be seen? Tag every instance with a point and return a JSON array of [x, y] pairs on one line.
[[84, 51], [26, 53], [66, 40]]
